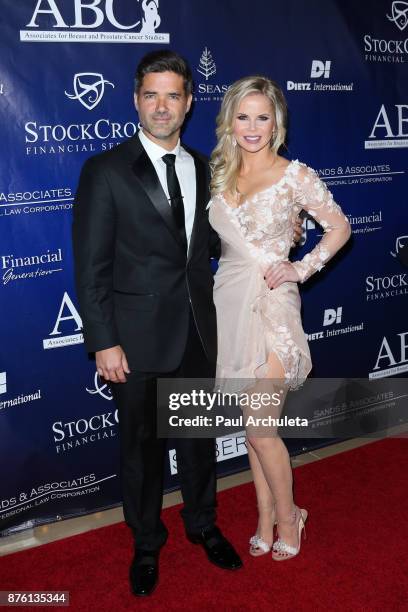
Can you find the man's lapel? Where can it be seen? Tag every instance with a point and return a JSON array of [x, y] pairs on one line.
[[149, 181], [202, 197]]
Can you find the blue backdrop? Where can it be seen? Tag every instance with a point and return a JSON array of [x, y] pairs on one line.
[[66, 92]]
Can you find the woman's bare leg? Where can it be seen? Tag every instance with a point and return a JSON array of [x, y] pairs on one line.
[[264, 498], [274, 460]]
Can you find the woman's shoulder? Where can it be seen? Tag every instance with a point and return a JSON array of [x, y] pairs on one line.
[[215, 197], [301, 171]]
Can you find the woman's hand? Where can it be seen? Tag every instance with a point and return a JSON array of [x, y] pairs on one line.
[[279, 273]]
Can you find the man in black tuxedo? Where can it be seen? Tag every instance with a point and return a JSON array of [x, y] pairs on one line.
[[142, 246]]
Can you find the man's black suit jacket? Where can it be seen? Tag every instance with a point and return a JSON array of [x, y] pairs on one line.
[[134, 282]]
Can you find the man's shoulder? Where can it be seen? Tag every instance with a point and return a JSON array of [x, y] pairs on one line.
[[125, 151], [195, 153]]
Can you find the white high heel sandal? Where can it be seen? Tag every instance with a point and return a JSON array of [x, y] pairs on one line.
[[258, 546], [281, 551]]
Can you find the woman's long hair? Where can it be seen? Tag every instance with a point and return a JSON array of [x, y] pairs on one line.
[[225, 160]]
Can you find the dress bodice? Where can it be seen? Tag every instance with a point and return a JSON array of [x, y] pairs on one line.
[[266, 220]]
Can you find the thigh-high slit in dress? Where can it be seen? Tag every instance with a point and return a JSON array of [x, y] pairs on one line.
[[253, 320]]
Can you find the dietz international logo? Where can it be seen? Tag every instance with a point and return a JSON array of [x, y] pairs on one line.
[[22, 398], [333, 317], [89, 88], [320, 69], [97, 21], [400, 251], [3, 382]]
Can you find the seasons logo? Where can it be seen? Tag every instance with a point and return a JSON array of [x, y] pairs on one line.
[[208, 90]]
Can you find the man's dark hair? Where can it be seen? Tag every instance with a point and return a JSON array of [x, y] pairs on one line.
[[164, 61]]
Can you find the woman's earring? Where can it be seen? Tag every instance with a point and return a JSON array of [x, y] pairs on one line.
[[233, 141]]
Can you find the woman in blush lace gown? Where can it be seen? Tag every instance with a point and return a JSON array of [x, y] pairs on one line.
[[256, 197]]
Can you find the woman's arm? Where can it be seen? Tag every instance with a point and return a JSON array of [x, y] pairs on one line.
[[312, 195]]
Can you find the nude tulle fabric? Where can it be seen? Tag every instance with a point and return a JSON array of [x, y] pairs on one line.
[[253, 320]]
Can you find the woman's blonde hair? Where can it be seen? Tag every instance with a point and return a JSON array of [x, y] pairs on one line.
[[225, 160]]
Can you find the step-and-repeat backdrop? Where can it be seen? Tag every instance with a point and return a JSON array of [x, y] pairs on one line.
[[66, 93]]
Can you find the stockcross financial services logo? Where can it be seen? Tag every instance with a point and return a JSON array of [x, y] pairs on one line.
[[51, 21], [99, 133], [401, 250], [399, 14], [320, 69], [393, 284], [100, 388], [72, 434], [68, 318], [89, 88], [208, 91], [388, 50], [390, 128]]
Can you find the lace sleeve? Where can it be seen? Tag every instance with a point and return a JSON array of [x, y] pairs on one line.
[[312, 195]]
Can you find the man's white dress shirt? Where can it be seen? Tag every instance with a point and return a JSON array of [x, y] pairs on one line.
[[185, 170]]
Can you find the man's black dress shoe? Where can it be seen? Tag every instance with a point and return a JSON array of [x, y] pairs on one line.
[[144, 572], [219, 550]]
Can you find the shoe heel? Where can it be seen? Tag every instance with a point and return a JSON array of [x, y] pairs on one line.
[[303, 521]]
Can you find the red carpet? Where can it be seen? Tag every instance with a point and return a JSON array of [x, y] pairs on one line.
[[354, 558]]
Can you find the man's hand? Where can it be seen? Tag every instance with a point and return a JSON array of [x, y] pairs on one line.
[[279, 273], [112, 364], [297, 230]]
